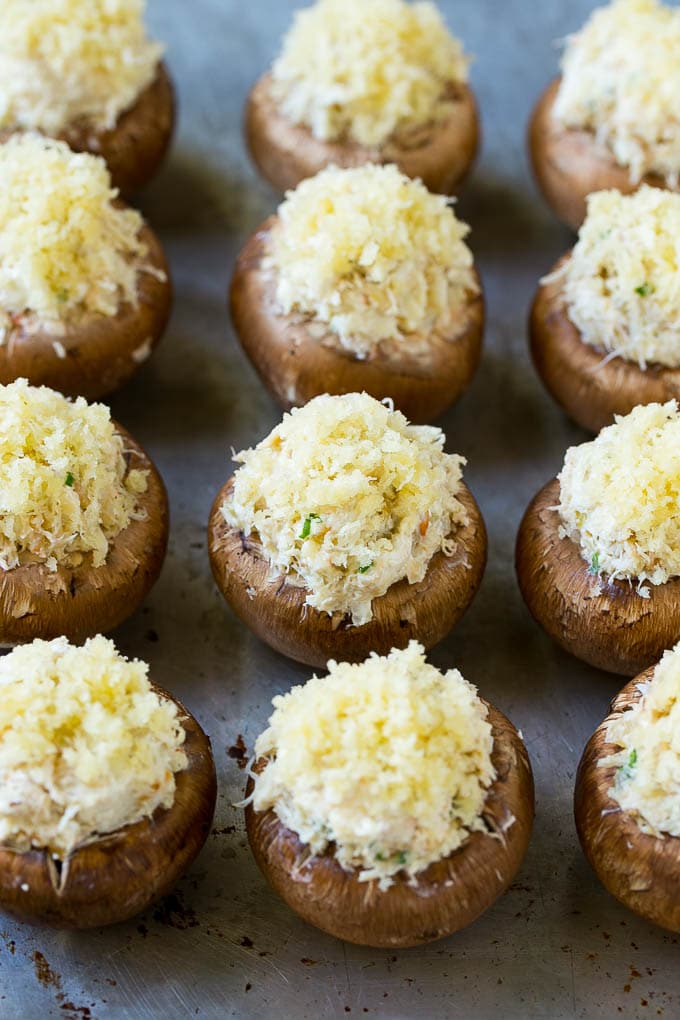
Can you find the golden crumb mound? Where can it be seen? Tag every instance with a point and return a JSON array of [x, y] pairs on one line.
[[65, 490], [372, 254], [389, 760], [86, 744], [367, 68], [66, 62]]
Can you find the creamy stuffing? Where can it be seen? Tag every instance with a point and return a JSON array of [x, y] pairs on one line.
[[65, 488], [389, 760], [346, 498], [647, 781], [622, 283], [620, 497], [367, 69], [65, 63], [372, 256], [65, 248], [86, 745], [621, 80]]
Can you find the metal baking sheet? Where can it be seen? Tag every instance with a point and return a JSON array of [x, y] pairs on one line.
[[557, 945]]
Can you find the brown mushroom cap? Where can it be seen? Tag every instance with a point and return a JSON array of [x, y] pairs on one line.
[[277, 613], [102, 352], [440, 153], [82, 601], [446, 896], [590, 389], [638, 869], [296, 365], [135, 147], [605, 623], [569, 163], [120, 874]]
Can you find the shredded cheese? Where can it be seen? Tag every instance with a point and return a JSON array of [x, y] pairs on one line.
[[367, 69], [65, 490], [69, 62], [346, 498], [621, 79], [647, 783], [65, 249], [372, 255], [86, 745], [620, 496], [622, 282], [389, 760]]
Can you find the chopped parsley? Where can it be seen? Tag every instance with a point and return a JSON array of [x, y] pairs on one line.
[[626, 771], [62, 294], [645, 289], [367, 566], [401, 857], [69, 480], [307, 526], [594, 567]]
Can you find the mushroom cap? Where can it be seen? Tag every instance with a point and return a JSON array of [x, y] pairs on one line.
[[569, 163], [439, 153], [276, 611], [588, 387], [295, 365], [81, 601], [605, 623], [119, 874], [136, 146], [100, 352], [449, 894], [638, 869]]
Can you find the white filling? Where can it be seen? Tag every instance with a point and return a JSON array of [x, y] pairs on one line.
[[647, 783], [373, 256], [86, 746], [70, 62], [620, 497], [622, 282], [389, 760], [347, 498], [65, 489], [621, 80], [368, 70]]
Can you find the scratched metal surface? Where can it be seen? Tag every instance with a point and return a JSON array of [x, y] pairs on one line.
[[556, 945]]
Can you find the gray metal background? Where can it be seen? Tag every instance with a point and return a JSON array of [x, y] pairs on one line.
[[556, 945]]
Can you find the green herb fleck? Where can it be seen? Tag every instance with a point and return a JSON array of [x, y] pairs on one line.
[[626, 771], [307, 526], [69, 480], [594, 567], [380, 857], [62, 294], [367, 566], [645, 289], [401, 857]]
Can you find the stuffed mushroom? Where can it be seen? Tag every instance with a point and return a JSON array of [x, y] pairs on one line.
[[358, 83], [605, 333], [83, 518], [389, 804], [362, 281], [611, 120], [107, 785], [627, 800], [598, 550], [347, 530], [88, 74], [84, 286]]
